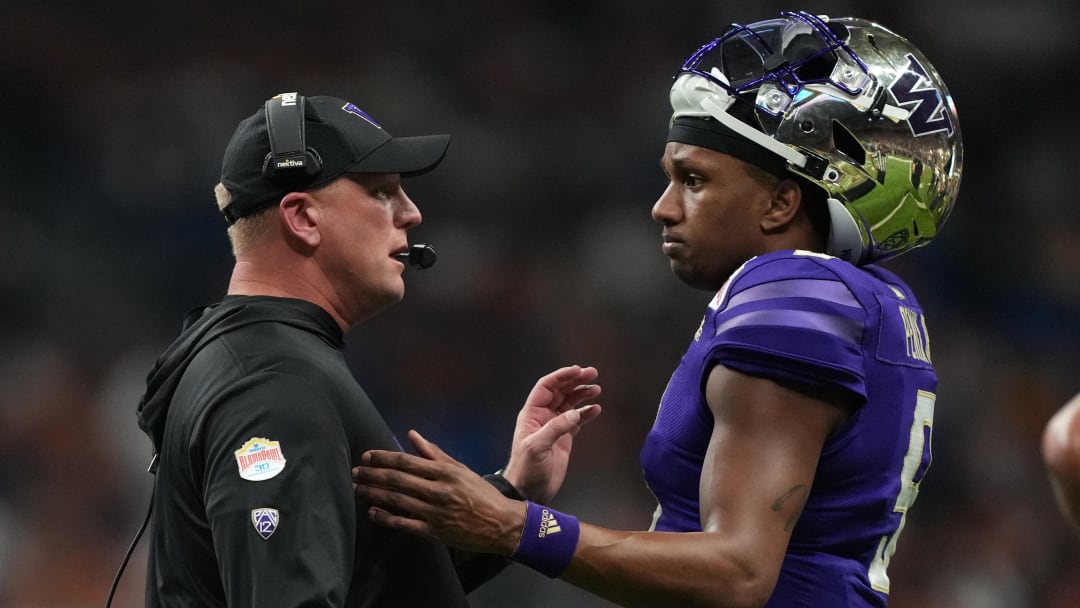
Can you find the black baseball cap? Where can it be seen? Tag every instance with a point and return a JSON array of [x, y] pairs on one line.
[[335, 137]]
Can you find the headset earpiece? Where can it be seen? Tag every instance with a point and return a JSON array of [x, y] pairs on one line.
[[290, 161]]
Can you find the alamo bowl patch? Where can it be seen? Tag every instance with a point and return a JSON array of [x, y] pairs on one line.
[[260, 459], [265, 521]]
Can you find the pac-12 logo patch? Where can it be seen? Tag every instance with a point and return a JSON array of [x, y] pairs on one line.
[[265, 521], [260, 459]]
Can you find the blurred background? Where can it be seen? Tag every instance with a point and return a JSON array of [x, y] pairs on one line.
[[114, 119]]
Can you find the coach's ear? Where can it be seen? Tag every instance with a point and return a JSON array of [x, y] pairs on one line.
[[300, 221]]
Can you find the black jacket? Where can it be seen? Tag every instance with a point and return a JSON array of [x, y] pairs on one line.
[[257, 423]]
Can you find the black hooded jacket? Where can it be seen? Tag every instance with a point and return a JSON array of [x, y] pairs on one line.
[[257, 423]]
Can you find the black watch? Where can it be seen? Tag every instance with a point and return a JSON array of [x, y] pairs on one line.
[[506, 488]]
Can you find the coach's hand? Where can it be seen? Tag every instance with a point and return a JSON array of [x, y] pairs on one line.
[[546, 425], [435, 496]]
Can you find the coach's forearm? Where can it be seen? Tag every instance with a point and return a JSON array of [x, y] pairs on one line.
[[642, 569]]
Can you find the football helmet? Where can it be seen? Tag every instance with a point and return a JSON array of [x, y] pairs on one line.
[[847, 104]]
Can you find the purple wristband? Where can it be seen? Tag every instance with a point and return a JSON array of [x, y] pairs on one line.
[[548, 540]]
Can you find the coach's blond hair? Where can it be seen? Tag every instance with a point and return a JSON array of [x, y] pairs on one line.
[[248, 230]]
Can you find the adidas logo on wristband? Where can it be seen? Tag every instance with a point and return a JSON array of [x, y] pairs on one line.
[[548, 524], [548, 540]]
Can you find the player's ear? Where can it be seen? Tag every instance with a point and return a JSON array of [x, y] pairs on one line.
[[300, 220], [787, 198]]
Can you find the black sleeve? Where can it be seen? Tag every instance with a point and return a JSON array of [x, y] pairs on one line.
[[278, 494], [475, 569]]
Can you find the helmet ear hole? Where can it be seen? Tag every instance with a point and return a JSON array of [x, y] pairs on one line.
[[845, 142]]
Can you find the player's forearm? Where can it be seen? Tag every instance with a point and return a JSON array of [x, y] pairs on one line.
[[1061, 452], [1068, 499], [1064, 470], [641, 569]]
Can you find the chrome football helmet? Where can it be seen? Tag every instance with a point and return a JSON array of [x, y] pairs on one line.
[[849, 105]]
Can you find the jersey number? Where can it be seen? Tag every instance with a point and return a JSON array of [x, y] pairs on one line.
[[916, 461]]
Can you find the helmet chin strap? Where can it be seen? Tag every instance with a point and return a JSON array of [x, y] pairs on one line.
[[782, 150]]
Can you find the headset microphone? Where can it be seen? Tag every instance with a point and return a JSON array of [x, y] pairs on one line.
[[419, 256]]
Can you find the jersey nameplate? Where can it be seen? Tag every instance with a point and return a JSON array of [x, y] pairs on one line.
[[917, 341], [903, 337]]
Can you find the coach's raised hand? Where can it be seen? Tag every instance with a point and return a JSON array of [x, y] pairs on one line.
[[546, 425]]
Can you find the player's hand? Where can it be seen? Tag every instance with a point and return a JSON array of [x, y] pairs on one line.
[[435, 496], [553, 414]]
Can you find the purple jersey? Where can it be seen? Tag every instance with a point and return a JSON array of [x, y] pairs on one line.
[[810, 320]]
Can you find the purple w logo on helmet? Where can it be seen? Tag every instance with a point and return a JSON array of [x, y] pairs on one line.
[[927, 107]]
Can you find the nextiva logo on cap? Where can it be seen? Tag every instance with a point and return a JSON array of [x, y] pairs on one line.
[[260, 459]]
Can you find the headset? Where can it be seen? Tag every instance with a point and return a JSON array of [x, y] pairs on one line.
[[152, 469], [290, 161]]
